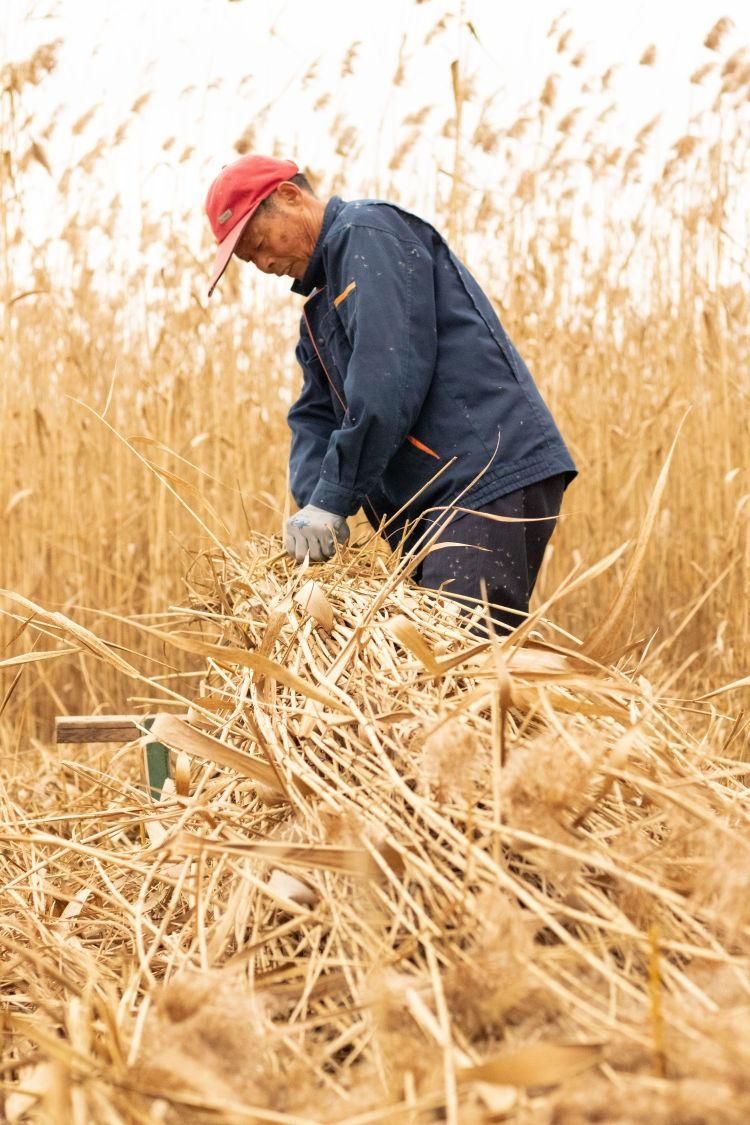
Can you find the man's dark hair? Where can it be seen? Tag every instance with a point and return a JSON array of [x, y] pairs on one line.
[[300, 180]]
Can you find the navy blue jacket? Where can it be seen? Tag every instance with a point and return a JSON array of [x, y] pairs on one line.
[[406, 369]]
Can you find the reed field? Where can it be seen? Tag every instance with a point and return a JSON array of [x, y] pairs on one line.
[[402, 871]]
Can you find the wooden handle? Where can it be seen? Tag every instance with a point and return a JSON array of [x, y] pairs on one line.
[[99, 728]]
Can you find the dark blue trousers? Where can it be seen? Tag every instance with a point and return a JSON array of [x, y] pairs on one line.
[[509, 554]]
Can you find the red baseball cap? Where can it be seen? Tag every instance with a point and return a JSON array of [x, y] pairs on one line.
[[235, 196]]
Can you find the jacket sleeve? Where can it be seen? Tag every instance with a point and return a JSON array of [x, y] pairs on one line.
[[311, 420], [389, 318]]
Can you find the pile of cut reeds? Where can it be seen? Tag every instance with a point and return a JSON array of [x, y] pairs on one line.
[[401, 873]]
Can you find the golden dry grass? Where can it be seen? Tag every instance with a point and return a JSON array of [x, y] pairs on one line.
[[405, 872], [499, 848]]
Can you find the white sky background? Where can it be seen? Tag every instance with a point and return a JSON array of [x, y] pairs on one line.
[[213, 64]]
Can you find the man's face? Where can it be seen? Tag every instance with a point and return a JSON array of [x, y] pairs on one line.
[[280, 237]]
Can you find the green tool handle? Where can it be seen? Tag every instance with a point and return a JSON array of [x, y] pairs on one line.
[[157, 764]]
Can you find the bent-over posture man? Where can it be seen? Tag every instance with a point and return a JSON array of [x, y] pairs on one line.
[[406, 371]]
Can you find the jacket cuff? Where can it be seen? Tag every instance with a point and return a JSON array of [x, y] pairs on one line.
[[333, 498]]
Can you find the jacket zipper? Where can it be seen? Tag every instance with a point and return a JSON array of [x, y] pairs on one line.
[[332, 384], [334, 388]]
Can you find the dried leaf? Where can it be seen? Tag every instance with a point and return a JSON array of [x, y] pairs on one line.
[[407, 633], [312, 599], [542, 1064], [176, 734]]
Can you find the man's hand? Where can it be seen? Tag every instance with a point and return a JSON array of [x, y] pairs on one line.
[[313, 530]]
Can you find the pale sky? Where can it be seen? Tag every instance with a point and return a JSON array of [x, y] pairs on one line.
[[212, 66]]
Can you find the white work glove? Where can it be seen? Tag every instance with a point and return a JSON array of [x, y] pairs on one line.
[[312, 529]]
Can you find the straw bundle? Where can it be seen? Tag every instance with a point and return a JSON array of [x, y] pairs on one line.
[[401, 873]]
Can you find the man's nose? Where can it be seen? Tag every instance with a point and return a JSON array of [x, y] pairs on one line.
[[265, 263]]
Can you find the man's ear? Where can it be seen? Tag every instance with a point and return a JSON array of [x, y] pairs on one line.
[[289, 192]]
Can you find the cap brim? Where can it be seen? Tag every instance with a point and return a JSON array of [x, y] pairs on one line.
[[226, 249]]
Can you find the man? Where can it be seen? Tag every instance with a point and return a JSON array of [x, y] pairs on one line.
[[413, 397]]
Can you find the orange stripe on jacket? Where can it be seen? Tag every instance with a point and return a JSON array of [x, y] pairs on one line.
[[425, 448], [342, 296]]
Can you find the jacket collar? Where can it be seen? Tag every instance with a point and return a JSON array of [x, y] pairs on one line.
[[315, 276]]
